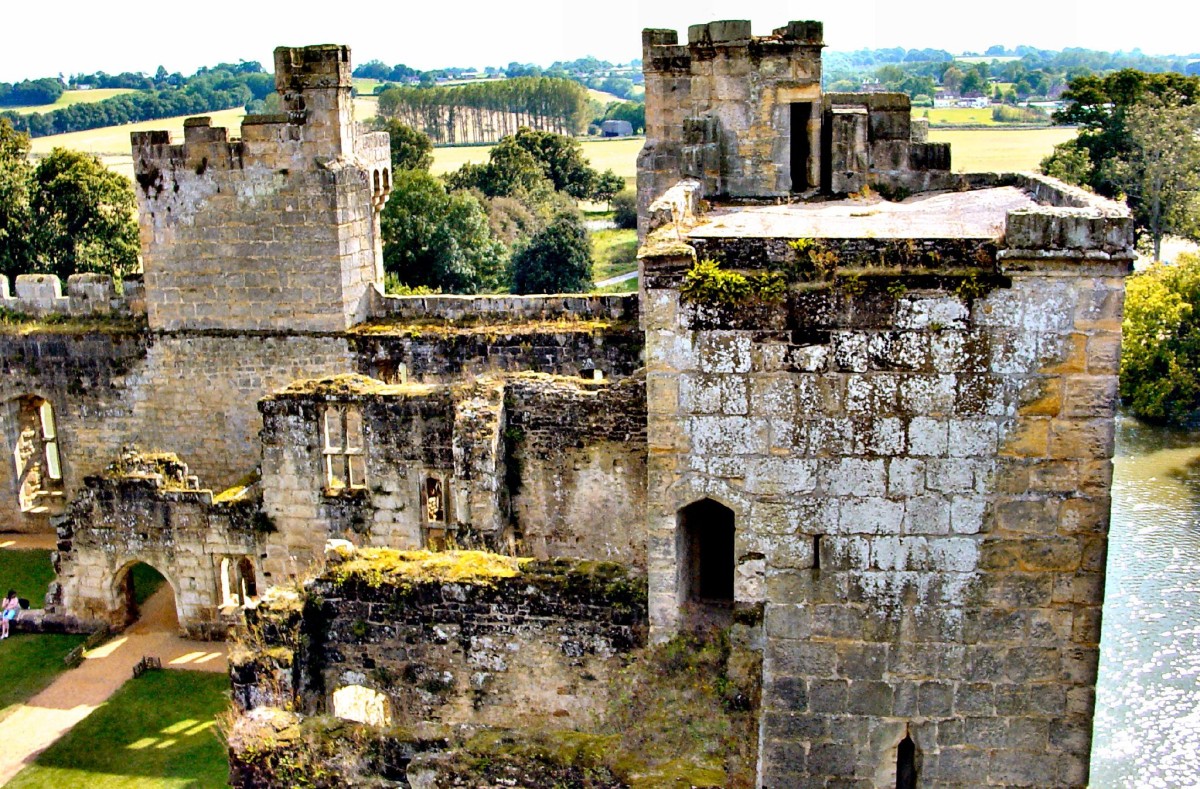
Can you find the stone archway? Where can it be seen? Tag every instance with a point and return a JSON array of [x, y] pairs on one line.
[[144, 598]]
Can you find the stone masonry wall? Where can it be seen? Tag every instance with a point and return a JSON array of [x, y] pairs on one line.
[[531, 650], [120, 519], [195, 395], [277, 230], [554, 465], [920, 479], [718, 109], [579, 467]]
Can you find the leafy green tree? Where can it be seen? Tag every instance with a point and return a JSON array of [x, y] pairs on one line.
[[1160, 354], [83, 217], [560, 157], [1069, 162], [1160, 174], [557, 259], [14, 201], [411, 149], [624, 206], [438, 239], [607, 185], [634, 112]]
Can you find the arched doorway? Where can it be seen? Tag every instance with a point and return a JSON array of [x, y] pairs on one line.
[[146, 599], [705, 549]]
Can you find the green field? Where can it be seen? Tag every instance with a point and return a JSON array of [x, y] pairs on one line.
[[955, 116], [613, 252], [70, 97], [156, 732], [1000, 150], [618, 155]]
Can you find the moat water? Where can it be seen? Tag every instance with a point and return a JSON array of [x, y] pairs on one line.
[[1147, 731]]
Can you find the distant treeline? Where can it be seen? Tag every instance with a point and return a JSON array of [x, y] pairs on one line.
[[618, 79], [208, 90], [479, 112], [1027, 72], [30, 92]]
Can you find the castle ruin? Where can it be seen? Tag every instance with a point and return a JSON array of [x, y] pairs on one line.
[[885, 465]]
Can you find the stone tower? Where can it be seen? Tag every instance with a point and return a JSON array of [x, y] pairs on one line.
[[276, 230]]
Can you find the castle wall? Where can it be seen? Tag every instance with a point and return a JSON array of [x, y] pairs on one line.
[[118, 520], [534, 649], [719, 109], [193, 394], [554, 465], [918, 474], [579, 467], [277, 230]]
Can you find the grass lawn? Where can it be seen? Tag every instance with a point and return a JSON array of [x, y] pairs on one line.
[[30, 662], [146, 581], [613, 252], [1000, 150], [70, 97], [29, 572], [156, 732]]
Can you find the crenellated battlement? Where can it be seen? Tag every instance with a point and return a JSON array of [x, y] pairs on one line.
[[86, 294], [277, 229]]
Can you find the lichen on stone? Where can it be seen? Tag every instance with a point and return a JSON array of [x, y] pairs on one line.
[[377, 566]]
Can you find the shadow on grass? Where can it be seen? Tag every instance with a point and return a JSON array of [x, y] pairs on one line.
[[155, 732]]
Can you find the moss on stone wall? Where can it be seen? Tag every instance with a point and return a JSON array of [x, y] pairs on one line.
[[379, 566]]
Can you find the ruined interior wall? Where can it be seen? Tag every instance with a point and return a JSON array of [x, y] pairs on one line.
[[193, 394], [407, 436], [533, 650], [920, 483], [579, 466], [117, 522]]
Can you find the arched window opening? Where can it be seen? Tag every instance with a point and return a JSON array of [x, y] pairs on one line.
[[36, 455], [433, 506], [906, 764], [706, 559]]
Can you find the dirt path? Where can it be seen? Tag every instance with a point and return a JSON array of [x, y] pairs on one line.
[[34, 726], [25, 542]]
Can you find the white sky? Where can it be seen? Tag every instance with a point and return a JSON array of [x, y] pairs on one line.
[[73, 36]]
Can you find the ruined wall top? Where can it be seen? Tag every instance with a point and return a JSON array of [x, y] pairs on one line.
[[661, 50], [306, 68]]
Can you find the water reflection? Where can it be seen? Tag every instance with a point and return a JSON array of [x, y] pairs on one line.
[[1147, 730]]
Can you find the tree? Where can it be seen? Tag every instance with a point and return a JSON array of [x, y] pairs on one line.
[[560, 157], [1134, 128], [411, 149], [557, 259], [438, 239], [607, 185], [14, 201], [82, 217], [624, 206], [1161, 172], [1160, 354]]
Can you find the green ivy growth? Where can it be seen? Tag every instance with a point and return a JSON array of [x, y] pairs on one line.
[[812, 261], [707, 283]]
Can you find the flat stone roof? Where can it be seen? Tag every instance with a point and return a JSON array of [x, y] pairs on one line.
[[980, 213]]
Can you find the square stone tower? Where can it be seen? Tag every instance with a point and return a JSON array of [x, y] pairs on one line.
[[278, 230]]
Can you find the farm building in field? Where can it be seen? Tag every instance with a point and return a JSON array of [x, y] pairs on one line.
[[616, 128], [866, 439]]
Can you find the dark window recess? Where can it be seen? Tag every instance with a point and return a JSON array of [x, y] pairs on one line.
[[816, 552], [906, 764], [707, 530]]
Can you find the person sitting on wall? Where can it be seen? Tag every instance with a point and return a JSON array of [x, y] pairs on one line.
[[8, 612]]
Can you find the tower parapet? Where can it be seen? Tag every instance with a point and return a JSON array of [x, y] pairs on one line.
[[276, 230]]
